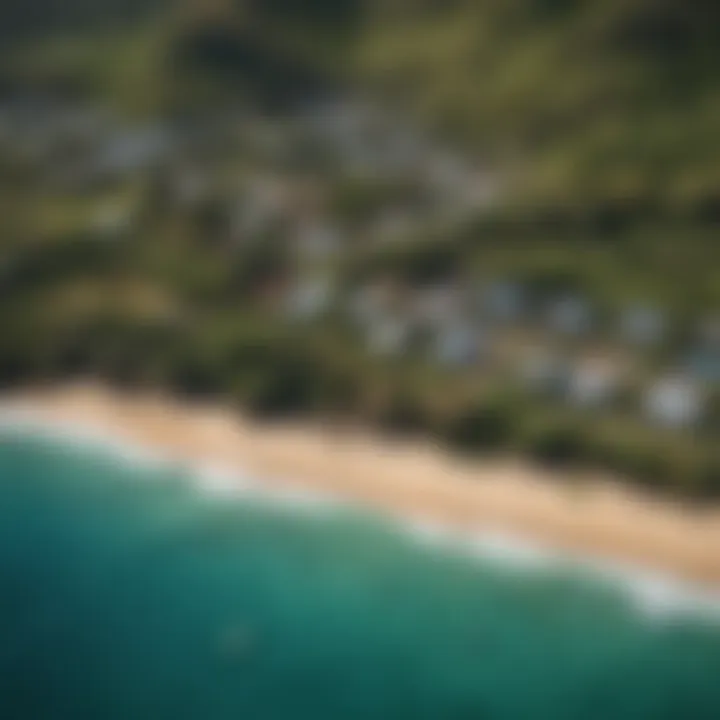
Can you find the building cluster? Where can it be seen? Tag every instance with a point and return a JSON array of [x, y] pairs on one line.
[[342, 177], [556, 347]]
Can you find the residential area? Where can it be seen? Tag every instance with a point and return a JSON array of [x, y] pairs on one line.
[[339, 218]]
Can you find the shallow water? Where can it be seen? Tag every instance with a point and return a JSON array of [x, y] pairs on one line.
[[129, 592]]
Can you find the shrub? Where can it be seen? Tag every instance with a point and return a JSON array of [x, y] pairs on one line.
[[704, 483], [277, 395], [401, 413], [481, 427], [558, 445]]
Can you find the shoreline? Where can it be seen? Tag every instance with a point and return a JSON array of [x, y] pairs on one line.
[[600, 525]]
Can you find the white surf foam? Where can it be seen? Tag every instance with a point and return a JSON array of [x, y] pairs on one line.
[[24, 421], [658, 597], [430, 533], [221, 481]]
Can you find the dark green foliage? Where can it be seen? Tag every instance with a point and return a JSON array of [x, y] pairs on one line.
[[47, 17], [60, 261], [706, 485], [558, 445], [281, 393], [602, 116], [424, 261], [329, 15], [485, 426], [402, 413], [264, 262], [243, 62]]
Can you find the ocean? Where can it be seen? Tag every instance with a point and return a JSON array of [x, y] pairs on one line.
[[134, 590]]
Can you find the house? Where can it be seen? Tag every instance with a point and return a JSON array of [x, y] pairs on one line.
[[460, 343], [674, 401], [642, 325], [247, 220], [112, 220], [482, 189], [570, 315], [372, 301], [79, 124], [709, 331], [346, 127], [317, 240], [134, 149], [263, 202], [333, 119], [703, 365], [389, 335], [593, 383], [438, 306], [309, 299], [190, 187], [54, 124], [404, 149], [542, 370], [447, 172], [503, 301], [365, 304]]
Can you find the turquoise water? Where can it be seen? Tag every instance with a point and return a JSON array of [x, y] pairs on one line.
[[127, 593]]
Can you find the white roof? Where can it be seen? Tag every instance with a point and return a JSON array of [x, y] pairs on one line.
[[674, 401]]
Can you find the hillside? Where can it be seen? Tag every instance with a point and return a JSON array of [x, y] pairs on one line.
[[581, 103], [612, 101], [492, 223]]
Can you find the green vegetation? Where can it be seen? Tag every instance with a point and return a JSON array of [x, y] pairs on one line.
[[596, 121], [611, 103], [583, 105]]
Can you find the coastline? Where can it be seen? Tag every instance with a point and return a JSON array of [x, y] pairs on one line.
[[413, 482]]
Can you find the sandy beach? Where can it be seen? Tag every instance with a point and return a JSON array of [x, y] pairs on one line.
[[413, 481]]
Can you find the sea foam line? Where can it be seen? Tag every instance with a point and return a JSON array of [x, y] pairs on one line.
[[657, 596], [212, 478]]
